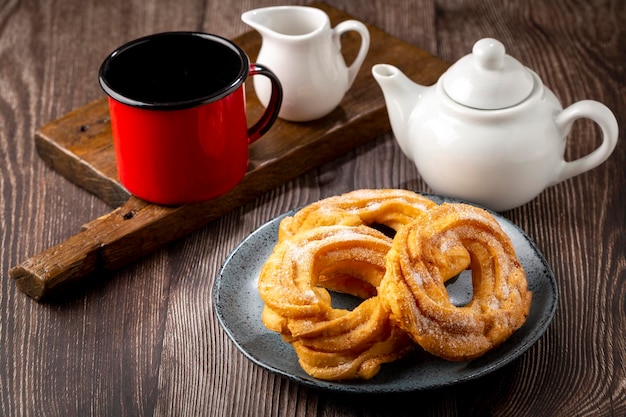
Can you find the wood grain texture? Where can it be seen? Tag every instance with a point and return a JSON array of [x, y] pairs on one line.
[[147, 341]]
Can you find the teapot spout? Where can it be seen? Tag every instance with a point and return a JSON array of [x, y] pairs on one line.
[[401, 95]]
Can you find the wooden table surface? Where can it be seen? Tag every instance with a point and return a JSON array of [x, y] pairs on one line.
[[144, 340]]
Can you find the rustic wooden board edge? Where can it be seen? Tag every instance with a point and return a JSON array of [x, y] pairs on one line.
[[80, 172], [93, 122]]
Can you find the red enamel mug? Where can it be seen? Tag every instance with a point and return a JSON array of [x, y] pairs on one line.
[[178, 115]]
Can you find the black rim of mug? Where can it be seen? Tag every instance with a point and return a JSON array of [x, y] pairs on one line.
[[173, 105]]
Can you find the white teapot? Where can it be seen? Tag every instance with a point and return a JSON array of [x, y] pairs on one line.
[[489, 131]]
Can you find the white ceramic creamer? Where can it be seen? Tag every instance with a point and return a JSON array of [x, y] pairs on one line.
[[304, 52], [489, 131]]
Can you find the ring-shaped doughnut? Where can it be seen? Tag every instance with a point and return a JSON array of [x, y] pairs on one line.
[[413, 287], [392, 208], [331, 343]]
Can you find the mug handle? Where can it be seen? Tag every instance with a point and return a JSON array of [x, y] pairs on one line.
[[273, 107], [601, 115], [361, 29]]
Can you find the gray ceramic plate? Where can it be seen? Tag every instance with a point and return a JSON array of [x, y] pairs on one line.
[[238, 307]]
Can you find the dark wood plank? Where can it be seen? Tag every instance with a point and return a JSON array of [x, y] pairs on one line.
[[147, 342]]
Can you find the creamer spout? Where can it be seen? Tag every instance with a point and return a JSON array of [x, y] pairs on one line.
[[259, 19]]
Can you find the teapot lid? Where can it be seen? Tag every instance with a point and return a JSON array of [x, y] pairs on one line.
[[488, 79]]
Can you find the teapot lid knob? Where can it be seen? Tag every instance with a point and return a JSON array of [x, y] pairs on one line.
[[489, 54], [488, 79]]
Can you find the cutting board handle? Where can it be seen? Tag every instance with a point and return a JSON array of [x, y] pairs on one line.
[[106, 243]]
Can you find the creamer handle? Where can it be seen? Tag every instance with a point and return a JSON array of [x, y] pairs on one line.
[[361, 29]]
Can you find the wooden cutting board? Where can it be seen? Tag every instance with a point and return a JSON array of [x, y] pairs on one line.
[[79, 146]]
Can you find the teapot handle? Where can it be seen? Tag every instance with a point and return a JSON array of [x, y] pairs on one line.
[[601, 115], [361, 29]]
